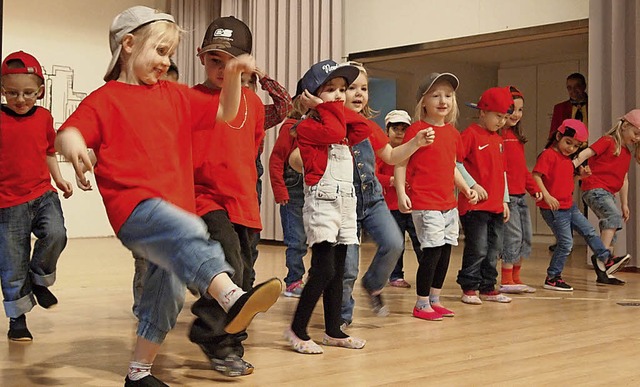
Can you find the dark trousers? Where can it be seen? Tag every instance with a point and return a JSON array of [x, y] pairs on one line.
[[405, 223], [207, 329], [483, 236]]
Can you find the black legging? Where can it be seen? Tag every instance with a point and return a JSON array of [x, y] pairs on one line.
[[432, 269], [325, 278]]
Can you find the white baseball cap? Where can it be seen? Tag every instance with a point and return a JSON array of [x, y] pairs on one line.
[[396, 117]]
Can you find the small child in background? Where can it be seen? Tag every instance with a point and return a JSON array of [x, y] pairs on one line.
[[483, 223], [554, 174], [396, 123], [329, 210], [172, 73], [28, 202], [517, 231], [609, 160], [288, 190], [432, 174]]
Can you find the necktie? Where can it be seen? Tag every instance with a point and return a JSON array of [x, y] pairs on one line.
[[579, 115]]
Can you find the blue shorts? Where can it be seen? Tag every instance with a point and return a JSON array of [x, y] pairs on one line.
[[603, 204]]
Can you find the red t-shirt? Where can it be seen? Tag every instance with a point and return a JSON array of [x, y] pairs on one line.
[[557, 175], [519, 178], [607, 171], [141, 135], [430, 170], [482, 156], [25, 142], [225, 162], [377, 138], [384, 172], [337, 125], [284, 145]]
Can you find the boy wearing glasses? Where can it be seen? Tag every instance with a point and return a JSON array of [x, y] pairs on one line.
[[28, 202]]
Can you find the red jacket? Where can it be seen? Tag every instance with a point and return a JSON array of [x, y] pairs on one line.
[[284, 145], [384, 172], [336, 125], [561, 112]]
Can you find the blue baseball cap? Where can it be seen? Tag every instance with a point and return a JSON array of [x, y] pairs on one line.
[[324, 71]]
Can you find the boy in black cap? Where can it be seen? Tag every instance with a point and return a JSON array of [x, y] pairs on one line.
[[227, 201]]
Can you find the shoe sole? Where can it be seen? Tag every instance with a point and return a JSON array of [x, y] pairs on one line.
[[20, 339], [549, 287], [614, 268], [292, 295], [260, 301], [513, 289]]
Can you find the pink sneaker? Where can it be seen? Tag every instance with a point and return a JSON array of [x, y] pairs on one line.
[[399, 283], [443, 311], [429, 316]]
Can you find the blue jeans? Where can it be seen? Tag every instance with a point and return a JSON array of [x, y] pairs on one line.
[[562, 222], [517, 231], [483, 233], [405, 223], [19, 269], [603, 204], [294, 236], [178, 250], [380, 225]]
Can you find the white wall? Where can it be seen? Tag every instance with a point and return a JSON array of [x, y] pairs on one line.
[[70, 34], [377, 24]]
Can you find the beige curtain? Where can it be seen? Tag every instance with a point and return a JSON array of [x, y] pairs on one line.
[[288, 37], [614, 89]]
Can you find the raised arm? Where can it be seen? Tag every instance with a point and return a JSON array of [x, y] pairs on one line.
[[276, 112], [393, 156], [232, 86], [583, 156]]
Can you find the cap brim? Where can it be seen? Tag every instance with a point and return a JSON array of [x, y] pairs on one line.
[[110, 75], [472, 105], [348, 72], [234, 52]]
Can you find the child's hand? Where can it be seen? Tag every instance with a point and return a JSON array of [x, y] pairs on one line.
[[404, 204], [86, 186], [260, 73], [552, 202], [66, 187], [425, 137], [538, 196], [584, 171], [71, 145], [244, 63], [309, 100], [472, 196], [392, 180], [295, 160], [625, 213], [506, 214], [482, 193]]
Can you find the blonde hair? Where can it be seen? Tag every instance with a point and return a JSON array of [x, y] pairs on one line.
[[366, 111], [616, 133], [298, 109], [152, 34], [420, 113]]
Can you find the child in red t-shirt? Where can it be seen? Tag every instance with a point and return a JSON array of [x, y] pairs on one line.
[[609, 160], [482, 156], [329, 212], [554, 174], [517, 231], [140, 128], [432, 175], [28, 202], [396, 124]]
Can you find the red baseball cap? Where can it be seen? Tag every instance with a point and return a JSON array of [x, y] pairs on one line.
[[574, 128], [30, 63], [495, 99], [515, 93]]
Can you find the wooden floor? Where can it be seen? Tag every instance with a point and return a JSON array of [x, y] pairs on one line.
[[578, 338]]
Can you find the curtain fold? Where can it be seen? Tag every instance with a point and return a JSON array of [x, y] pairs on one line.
[[288, 37], [614, 89]]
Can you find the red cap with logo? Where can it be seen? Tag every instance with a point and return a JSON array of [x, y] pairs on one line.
[[29, 62]]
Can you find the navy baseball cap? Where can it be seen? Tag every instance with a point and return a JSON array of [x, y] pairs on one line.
[[324, 71]]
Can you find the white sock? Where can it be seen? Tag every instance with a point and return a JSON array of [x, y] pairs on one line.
[[138, 370], [229, 296]]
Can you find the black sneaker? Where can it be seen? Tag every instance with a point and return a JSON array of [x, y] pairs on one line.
[[557, 283], [147, 381], [45, 298], [18, 330], [232, 365], [614, 264], [377, 305], [552, 247], [259, 299]]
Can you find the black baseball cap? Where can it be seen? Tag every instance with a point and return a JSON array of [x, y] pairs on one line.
[[229, 35]]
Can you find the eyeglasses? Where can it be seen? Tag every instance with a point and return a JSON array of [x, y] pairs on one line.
[[11, 94]]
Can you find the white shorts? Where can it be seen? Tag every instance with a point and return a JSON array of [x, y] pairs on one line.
[[436, 228]]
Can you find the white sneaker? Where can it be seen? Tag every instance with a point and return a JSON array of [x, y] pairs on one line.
[[497, 297], [471, 299]]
